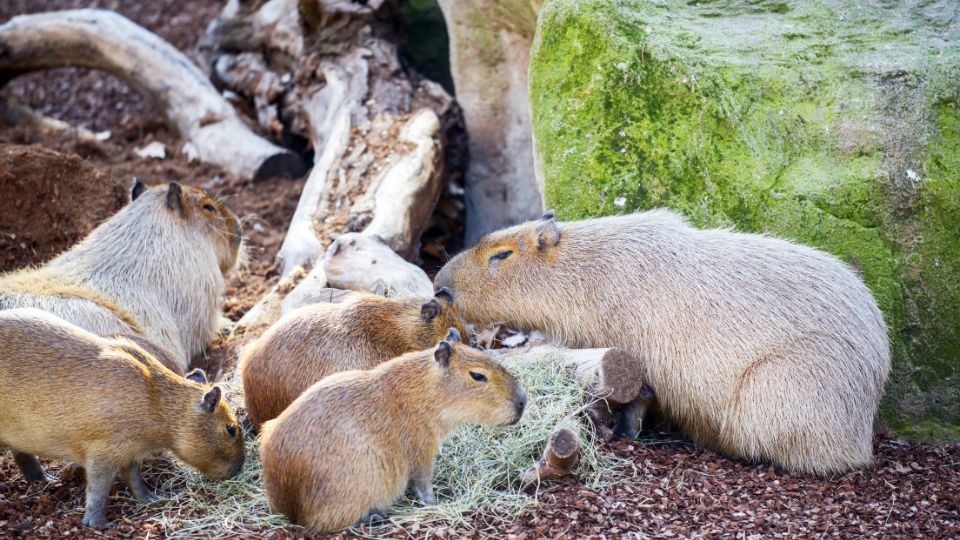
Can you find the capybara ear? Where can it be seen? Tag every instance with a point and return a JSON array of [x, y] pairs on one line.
[[453, 336], [197, 375], [548, 233], [444, 294], [137, 189], [443, 353], [430, 310], [548, 215], [208, 403], [175, 198]]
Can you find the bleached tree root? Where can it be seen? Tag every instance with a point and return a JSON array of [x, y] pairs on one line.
[[107, 41], [559, 458]]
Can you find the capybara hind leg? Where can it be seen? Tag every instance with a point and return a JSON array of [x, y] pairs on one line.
[[100, 478], [802, 409], [138, 486], [30, 468]]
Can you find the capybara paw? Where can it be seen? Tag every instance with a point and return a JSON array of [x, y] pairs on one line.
[[94, 522], [374, 516]]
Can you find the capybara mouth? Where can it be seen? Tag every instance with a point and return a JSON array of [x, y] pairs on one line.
[[236, 467]]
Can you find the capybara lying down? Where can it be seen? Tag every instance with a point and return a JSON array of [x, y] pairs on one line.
[[347, 448], [105, 404], [758, 347]]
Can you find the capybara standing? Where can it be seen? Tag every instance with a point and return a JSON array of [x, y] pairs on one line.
[[347, 448], [156, 268], [757, 347], [106, 404], [320, 339]]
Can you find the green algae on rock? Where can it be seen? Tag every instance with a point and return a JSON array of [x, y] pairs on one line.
[[832, 123]]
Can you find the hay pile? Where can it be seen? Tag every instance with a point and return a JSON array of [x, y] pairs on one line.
[[477, 472]]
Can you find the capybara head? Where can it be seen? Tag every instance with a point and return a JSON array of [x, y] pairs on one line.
[[208, 437], [479, 389], [492, 279], [197, 211], [436, 315]]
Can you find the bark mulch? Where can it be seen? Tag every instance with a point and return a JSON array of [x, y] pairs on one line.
[[675, 490]]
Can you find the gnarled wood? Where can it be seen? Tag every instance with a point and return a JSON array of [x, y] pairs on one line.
[[560, 456], [104, 40]]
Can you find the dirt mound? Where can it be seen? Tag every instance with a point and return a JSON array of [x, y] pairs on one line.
[[64, 197]]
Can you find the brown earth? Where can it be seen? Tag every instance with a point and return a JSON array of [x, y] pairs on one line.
[[54, 189]]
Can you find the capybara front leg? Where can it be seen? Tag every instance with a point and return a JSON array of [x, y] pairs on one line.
[[138, 486], [29, 467], [422, 479], [99, 481]]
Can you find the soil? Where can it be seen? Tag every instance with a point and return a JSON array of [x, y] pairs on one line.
[[54, 189]]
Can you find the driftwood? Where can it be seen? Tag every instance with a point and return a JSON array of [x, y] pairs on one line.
[[560, 456], [619, 396], [326, 74], [14, 114], [362, 262], [329, 72], [104, 40]]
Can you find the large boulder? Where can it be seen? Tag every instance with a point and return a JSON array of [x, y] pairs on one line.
[[832, 123]]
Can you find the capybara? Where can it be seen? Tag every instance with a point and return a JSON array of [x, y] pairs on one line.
[[105, 404], [757, 347], [156, 268], [347, 448], [323, 338]]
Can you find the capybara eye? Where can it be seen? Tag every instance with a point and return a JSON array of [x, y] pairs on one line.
[[232, 430], [479, 377], [501, 255], [209, 208]]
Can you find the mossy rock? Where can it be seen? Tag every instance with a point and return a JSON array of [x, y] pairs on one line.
[[836, 124]]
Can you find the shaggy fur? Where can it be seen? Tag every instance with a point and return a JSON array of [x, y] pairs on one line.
[[106, 404], [320, 339], [757, 347], [347, 448], [156, 268]]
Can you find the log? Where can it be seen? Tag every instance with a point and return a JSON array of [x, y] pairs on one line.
[[560, 456], [401, 200], [330, 71], [612, 374], [107, 41], [14, 114], [618, 394], [361, 262]]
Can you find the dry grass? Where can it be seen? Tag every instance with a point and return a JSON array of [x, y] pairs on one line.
[[476, 473]]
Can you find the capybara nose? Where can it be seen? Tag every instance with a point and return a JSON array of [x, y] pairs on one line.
[[520, 404], [237, 466]]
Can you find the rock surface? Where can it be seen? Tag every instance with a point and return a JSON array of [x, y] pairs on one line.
[[489, 54], [832, 123]]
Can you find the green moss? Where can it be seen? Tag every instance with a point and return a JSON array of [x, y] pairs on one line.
[[801, 119]]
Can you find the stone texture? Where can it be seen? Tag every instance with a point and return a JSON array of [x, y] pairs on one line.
[[832, 123], [489, 54]]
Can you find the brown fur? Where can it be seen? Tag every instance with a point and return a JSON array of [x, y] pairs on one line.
[[106, 404], [348, 447], [155, 269], [756, 346], [320, 339]]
